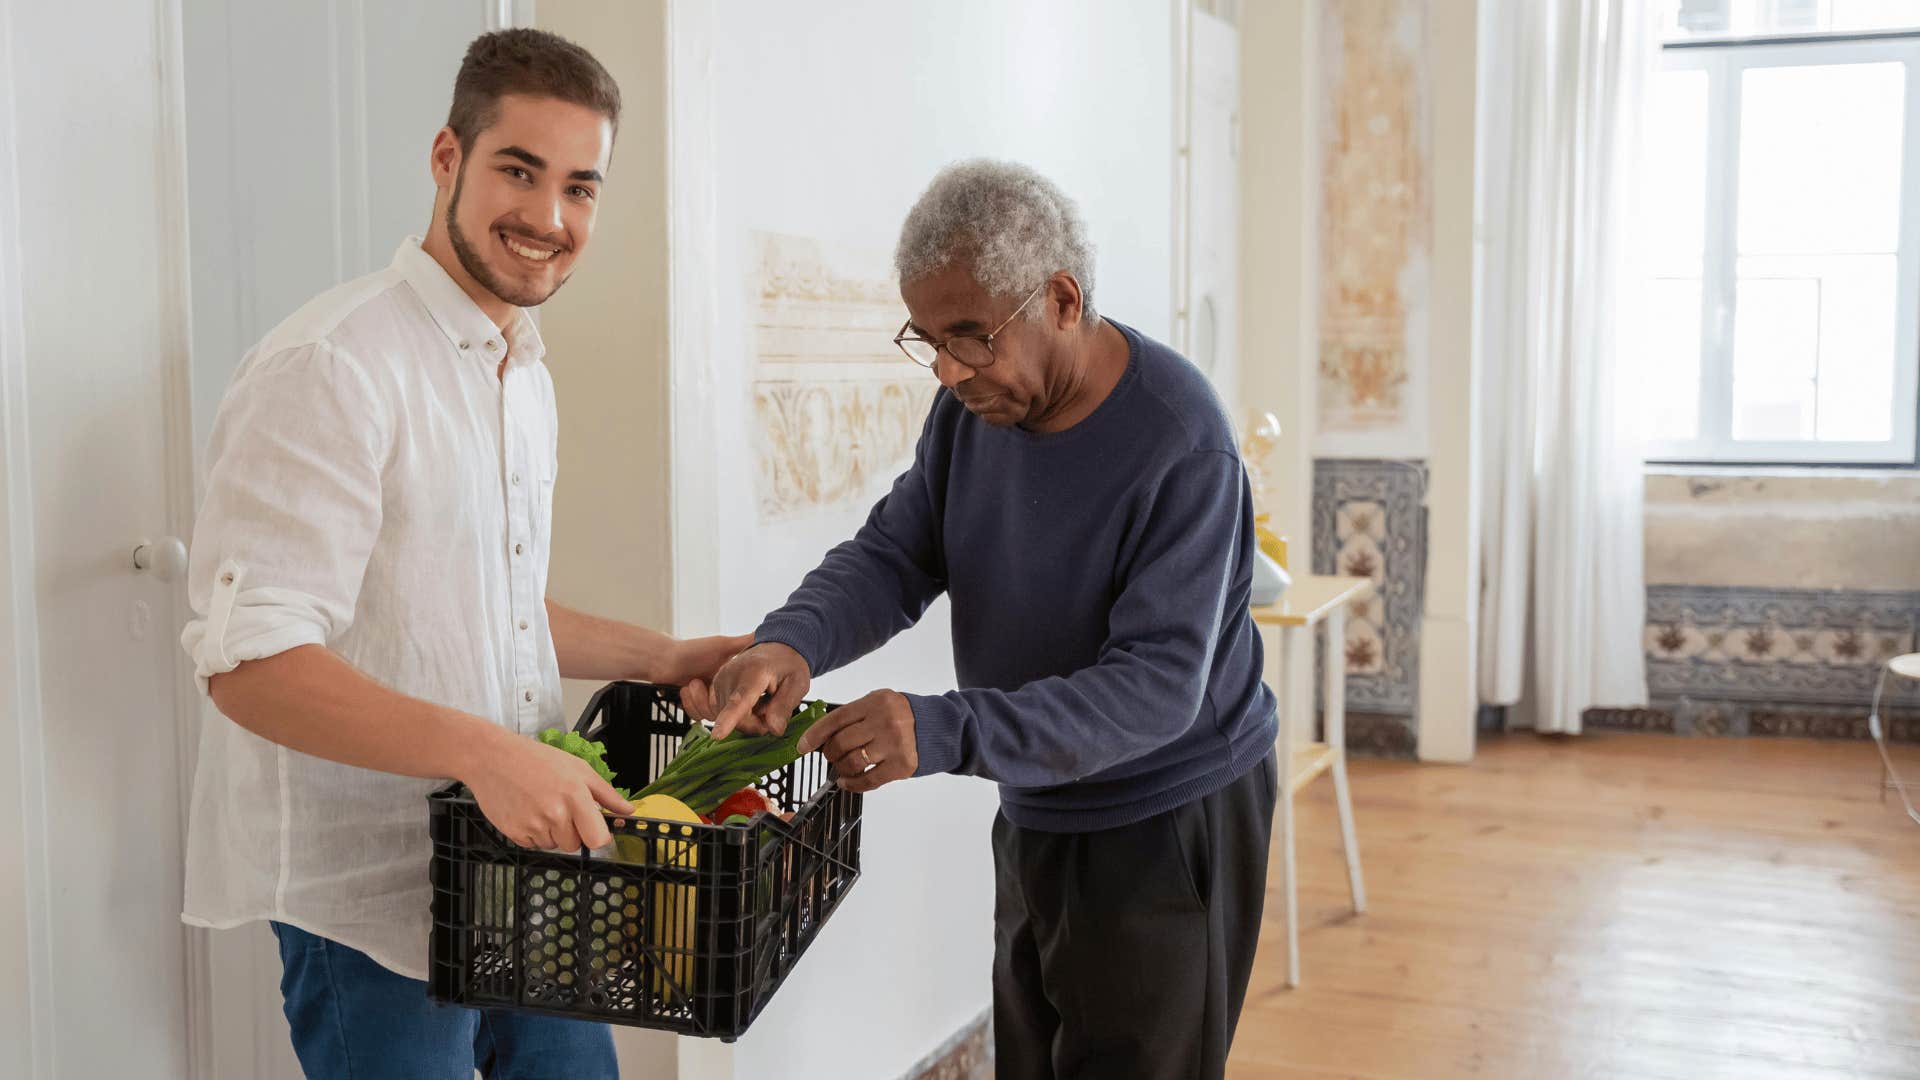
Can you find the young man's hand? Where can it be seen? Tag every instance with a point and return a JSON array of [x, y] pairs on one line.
[[590, 647], [769, 670], [698, 659], [540, 797]]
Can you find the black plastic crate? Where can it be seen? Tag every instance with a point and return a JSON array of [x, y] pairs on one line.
[[688, 928]]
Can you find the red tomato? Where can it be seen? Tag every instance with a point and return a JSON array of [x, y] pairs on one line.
[[747, 801]]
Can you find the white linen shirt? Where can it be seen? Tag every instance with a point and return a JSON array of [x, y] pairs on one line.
[[374, 486]]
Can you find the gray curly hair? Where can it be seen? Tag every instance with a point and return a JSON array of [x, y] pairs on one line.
[[1012, 225]]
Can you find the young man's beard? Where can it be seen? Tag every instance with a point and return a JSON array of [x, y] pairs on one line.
[[476, 267]]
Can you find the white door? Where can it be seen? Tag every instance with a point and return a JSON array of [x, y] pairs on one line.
[[1214, 203], [94, 963]]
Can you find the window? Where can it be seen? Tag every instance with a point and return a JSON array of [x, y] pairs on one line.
[[1781, 203], [1684, 19]]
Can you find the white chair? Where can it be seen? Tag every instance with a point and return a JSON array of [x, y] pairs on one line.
[[1309, 602], [1906, 667]]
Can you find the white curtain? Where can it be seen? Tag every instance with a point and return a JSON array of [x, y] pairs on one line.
[[1564, 594]]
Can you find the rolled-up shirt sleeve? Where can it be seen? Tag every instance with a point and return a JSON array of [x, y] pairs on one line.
[[291, 511]]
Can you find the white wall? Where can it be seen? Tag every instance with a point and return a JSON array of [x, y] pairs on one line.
[[1824, 529], [1449, 696], [830, 128], [607, 340], [1280, 90]]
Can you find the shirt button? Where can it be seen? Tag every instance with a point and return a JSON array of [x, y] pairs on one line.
[[529, 695], [464, 345], [523, 624], [491, 344], [518, 550], [516, 479]]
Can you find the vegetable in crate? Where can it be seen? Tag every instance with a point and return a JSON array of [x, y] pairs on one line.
[[743, 804], [613, 918], [692, 787], [740, 808], [702, 776], [593, 753], [707, 770], [494, 886], [671, 929]]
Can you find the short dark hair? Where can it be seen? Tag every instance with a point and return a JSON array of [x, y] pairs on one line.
[[531, 62]]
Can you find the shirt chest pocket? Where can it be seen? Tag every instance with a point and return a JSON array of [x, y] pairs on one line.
[[530, 454], [543, 509]]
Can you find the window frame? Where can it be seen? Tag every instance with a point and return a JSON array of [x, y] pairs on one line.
[[1724, 61]]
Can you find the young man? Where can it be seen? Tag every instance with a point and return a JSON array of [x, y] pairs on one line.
[[1078, 495], [369, 568]]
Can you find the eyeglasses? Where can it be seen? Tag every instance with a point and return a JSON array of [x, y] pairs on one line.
[[973, 350]]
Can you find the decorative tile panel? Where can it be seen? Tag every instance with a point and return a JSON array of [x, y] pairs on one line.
[[1370, 520], [1726, 660], [1775, 646], [968, 1055]]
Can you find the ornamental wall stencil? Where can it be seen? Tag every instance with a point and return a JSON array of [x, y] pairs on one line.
[[836, 407], [1376, 216]]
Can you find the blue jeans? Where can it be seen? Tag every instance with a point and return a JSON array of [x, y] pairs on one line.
[[354, 1020]]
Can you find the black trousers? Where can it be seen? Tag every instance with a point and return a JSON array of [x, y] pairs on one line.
[[1124, 954]]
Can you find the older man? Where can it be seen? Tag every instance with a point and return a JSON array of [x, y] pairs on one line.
[[1077, 493]]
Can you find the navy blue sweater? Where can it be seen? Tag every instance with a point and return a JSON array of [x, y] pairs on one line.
[[1099, 575]]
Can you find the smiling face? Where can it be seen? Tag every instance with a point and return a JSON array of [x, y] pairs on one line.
[[519, 207]]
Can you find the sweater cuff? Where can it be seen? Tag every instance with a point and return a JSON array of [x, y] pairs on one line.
[[936, 733], [800, 635]]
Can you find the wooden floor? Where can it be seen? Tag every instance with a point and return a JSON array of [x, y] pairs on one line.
[[1608, 906]]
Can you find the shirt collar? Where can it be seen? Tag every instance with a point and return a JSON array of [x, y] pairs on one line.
[[467, 327]]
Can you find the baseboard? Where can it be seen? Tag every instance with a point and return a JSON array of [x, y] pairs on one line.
[[968, 1055], [1736, 719], [1381, 735]]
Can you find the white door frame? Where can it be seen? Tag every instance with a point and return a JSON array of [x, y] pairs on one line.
[[26, 937], [692, 178], [1181, 223], [176, 352]]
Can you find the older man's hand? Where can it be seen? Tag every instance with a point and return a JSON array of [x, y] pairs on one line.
[[870, 742], [755, 692]]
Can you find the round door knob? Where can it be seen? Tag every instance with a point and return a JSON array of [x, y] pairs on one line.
[[165, 558]]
